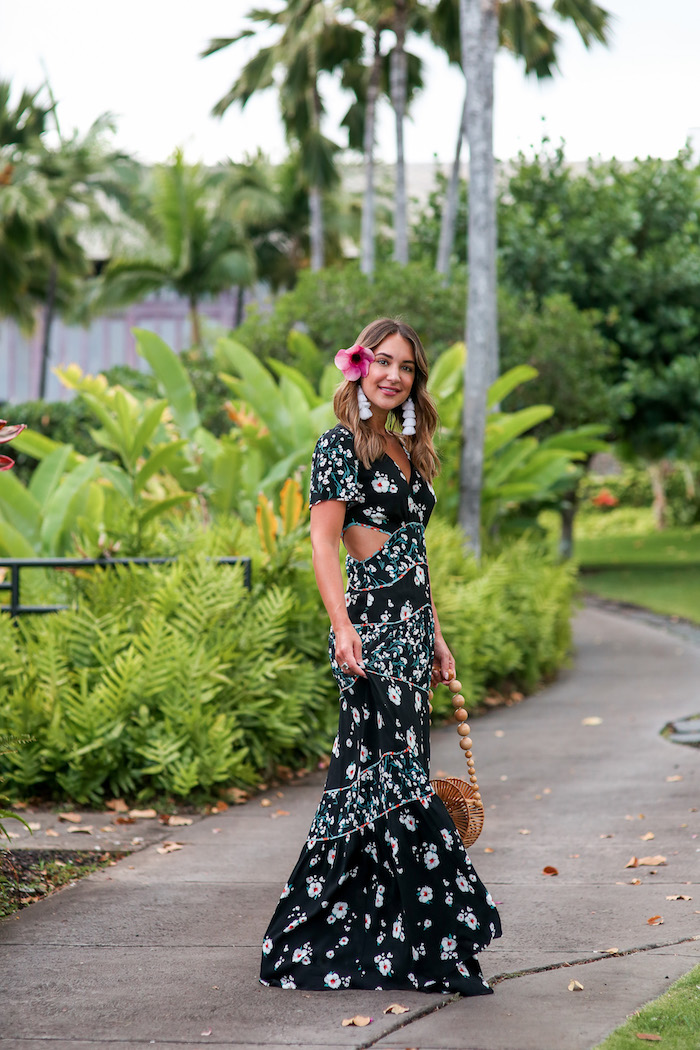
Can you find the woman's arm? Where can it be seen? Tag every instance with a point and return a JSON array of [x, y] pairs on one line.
[[326, 529], [443, 660]]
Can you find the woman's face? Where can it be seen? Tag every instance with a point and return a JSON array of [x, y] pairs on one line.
[[390, 378]]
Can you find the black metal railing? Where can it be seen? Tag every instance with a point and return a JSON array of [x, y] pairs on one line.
[[16, 565]]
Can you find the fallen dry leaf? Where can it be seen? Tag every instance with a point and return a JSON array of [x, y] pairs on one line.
[[575, 986], [549, 870], [652, 862], [117, 805], [679, 897], [649, 1037], [169, 847], [123, 820], [606, 836], [655, 920], [635, 882], [207, 1031], [487, 849], [593, 721], [358, 1021], [648, 836], [52, 832], [396, 1008], [524, 831], [107, 827], [175, 821], [671, 780], [612, 951], [71, 818], [142, 814], [633, 862], [34, 825], [280, 813], [138, 841], [265, 802], [84, 829], [237, 796]]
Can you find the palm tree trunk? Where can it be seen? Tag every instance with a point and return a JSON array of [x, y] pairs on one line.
[[448, 223], [479, 35], [367, 256], [195, 322], [398, 81], [49, 310], [238, 306], [315, 199], [658, 472]]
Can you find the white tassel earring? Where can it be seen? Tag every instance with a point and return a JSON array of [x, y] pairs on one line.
[[363, 403], [409, 417]]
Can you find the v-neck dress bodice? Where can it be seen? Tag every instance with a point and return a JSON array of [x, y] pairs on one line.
[[377, 496], [383, 895]]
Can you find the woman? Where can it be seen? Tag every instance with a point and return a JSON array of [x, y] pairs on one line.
[[383, 895]]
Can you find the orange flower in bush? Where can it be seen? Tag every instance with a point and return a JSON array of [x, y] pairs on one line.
[[605, 498]]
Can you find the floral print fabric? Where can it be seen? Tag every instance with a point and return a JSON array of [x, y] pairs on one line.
[[384, 895]]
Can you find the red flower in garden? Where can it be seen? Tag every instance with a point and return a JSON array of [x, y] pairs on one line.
[[354, 362], [7, 434], [605, 498]]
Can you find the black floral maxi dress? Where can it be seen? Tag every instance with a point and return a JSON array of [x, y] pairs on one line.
[[384, 895]]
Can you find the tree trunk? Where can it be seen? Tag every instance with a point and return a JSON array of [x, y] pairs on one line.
[[658, 472], [195, 322], [448, 223], [367, 256], [49, 310], [316, 227], [238, 306], [569, 506], [315, 196], [398, 81], [479, 36]]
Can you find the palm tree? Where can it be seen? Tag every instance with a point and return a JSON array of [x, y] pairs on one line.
[[313, 40], [191, 240], [479, 34], [524, 33]]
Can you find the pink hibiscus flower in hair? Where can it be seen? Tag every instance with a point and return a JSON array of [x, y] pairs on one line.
[[354, 362]]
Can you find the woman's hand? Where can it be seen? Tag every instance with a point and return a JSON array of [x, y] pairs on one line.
[[348, 651], [443, 663]]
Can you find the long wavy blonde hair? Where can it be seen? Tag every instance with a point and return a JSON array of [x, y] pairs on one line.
[[369, 445]]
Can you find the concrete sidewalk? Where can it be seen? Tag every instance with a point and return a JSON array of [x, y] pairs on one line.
[[163, 950]]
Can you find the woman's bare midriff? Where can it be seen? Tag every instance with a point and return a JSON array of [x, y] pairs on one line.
[[362, 542]]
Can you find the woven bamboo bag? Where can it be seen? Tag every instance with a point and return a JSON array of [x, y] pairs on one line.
[[462, 798]]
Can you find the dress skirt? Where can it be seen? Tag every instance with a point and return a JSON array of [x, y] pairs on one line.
[[384, 895]]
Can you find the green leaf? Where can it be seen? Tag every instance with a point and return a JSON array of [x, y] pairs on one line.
[[160, 459], [46, 478], [505, 384], [163, 505], [146, 429], [504, 427], [13, 543], [119, 479], [446, 375], [39, 446], [173, 378], [65, 505], [18, 506], [120, 440], [280, 368]]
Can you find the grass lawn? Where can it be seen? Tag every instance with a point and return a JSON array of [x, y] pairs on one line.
[[659, 570], [675, 1017]]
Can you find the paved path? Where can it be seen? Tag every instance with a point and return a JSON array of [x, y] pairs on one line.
[[162, 950]]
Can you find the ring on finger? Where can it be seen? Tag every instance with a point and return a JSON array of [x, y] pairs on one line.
[[344, 667]]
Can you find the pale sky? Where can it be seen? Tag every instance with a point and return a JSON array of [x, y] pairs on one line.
[[139, 60]]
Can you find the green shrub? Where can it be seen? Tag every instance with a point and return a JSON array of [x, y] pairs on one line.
[[632, 488], [335, 304], [162, 681], [506, 621], [175, 681]]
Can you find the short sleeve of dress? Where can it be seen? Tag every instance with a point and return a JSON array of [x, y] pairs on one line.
[[334, 469]]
